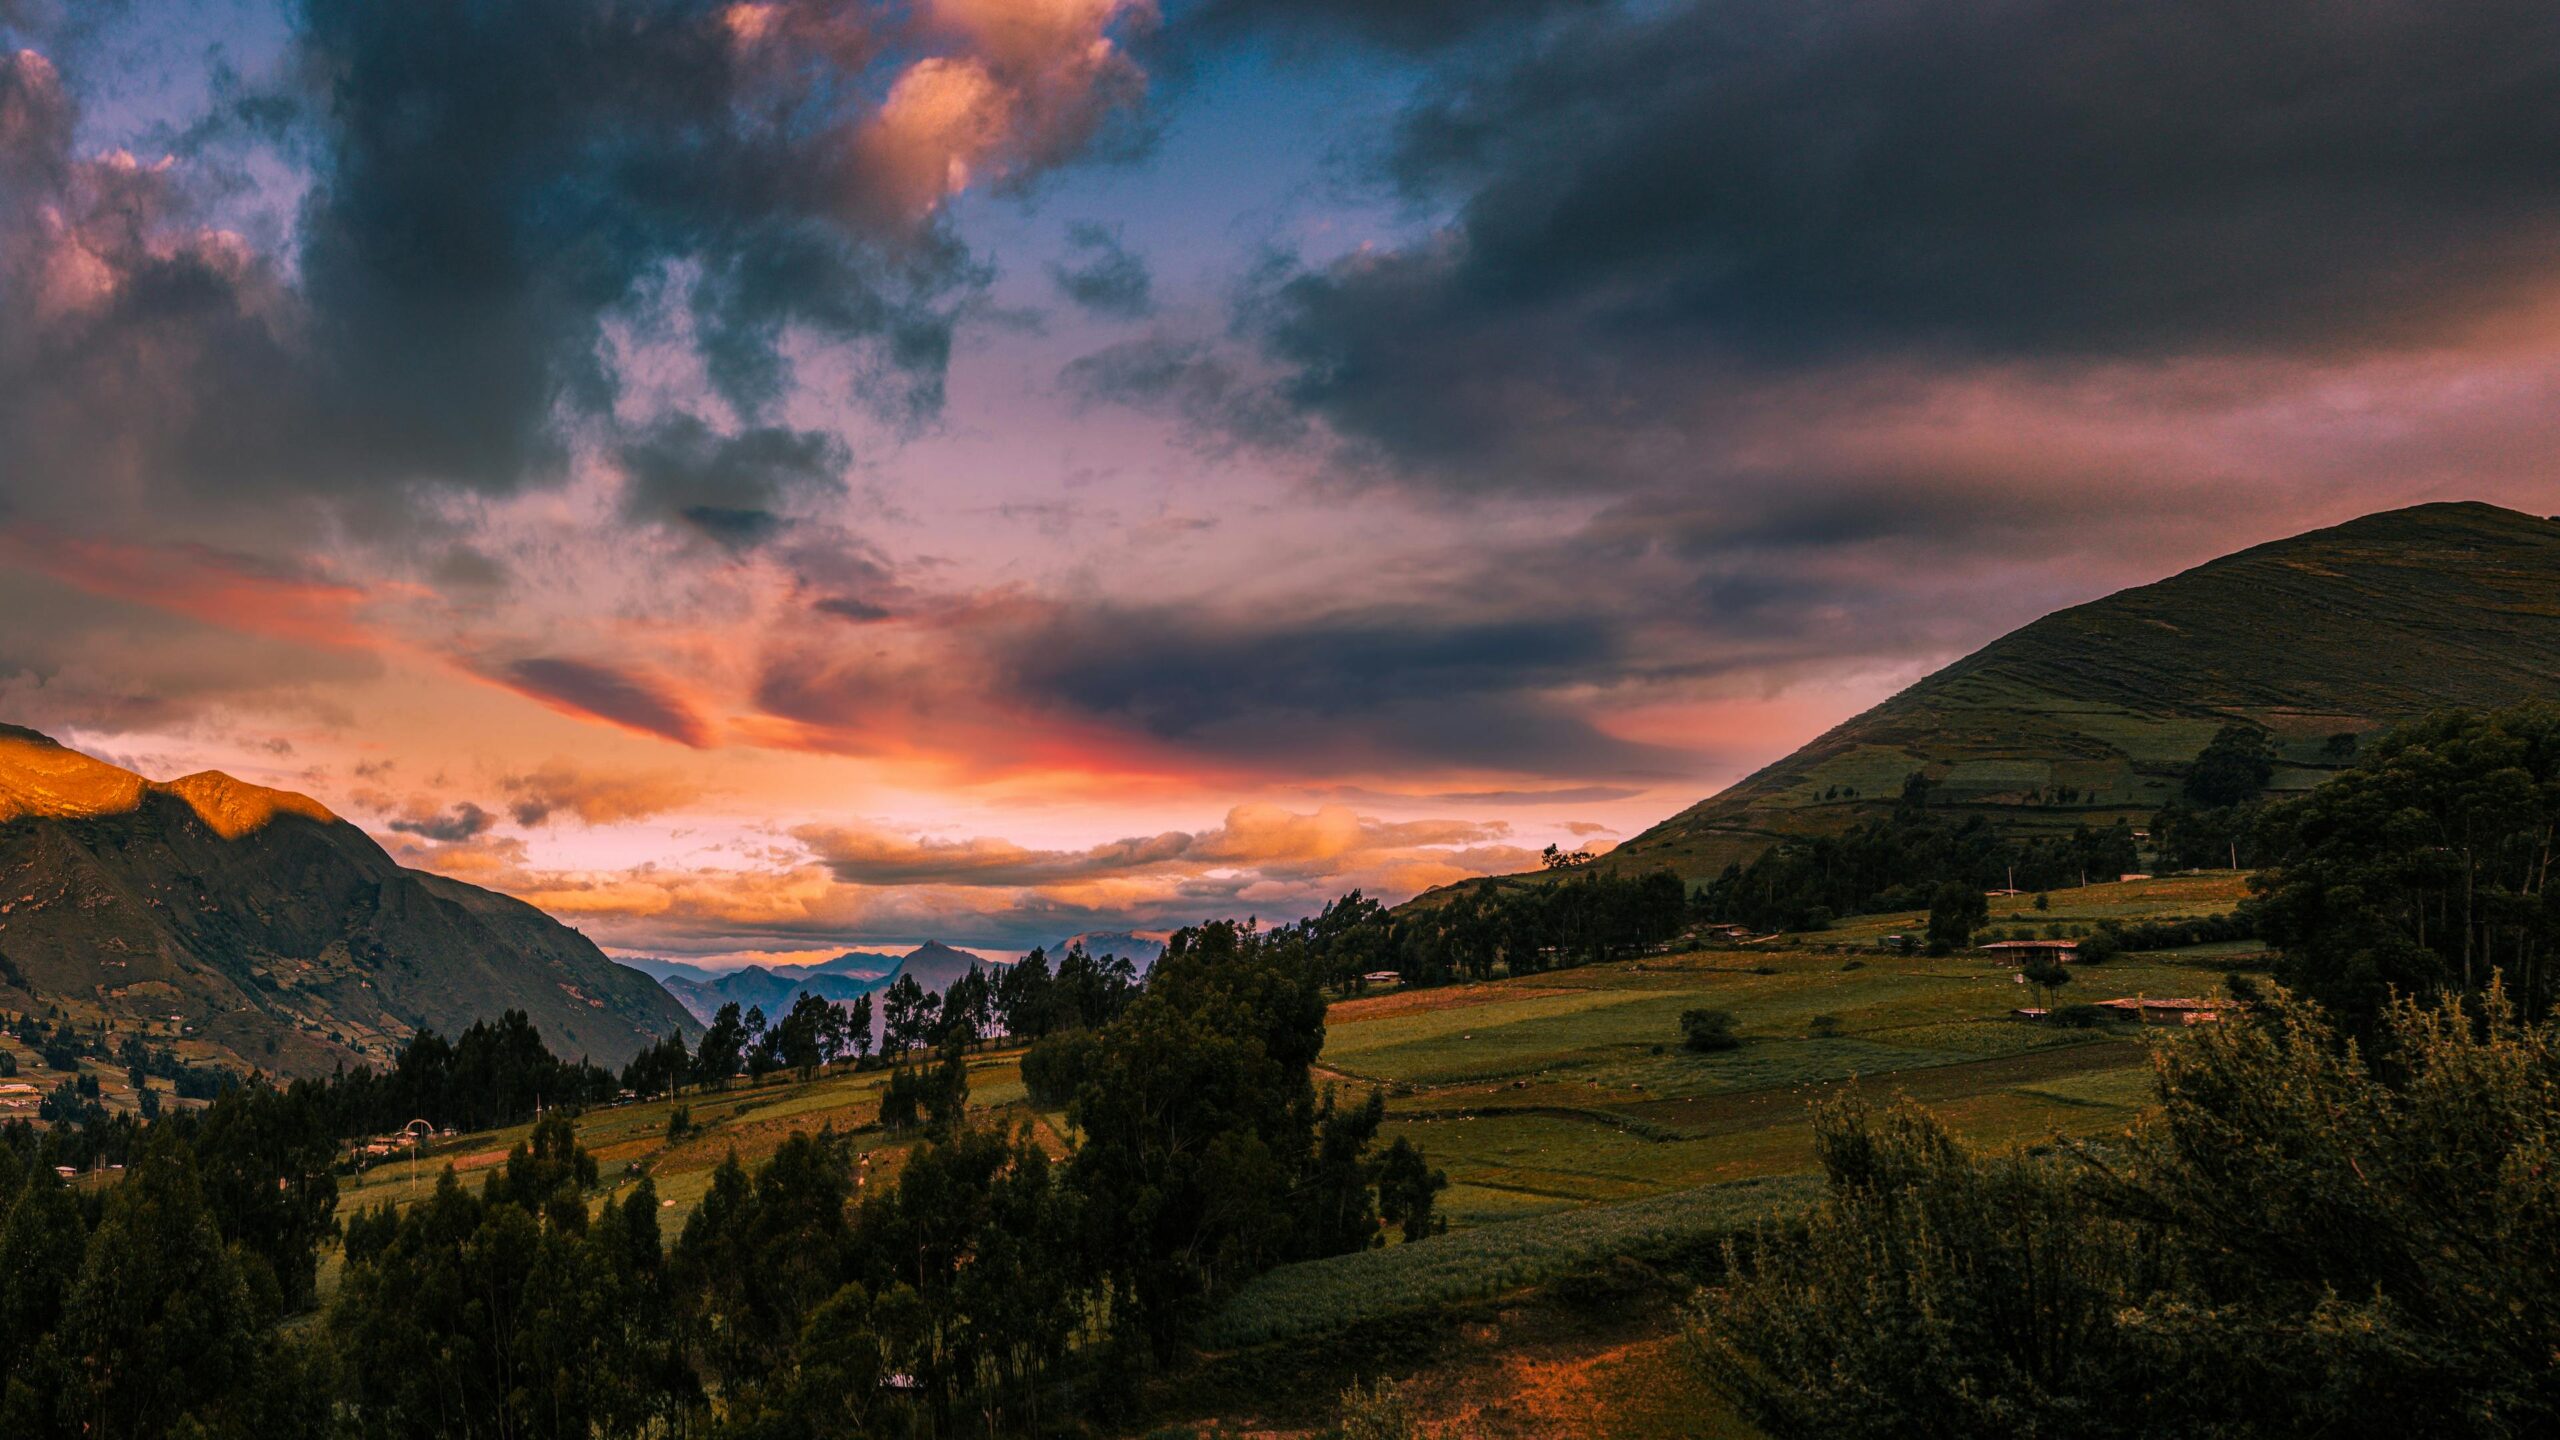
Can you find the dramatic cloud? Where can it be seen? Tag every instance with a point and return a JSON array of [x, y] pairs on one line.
[[1658, 214], [1268, 838], [1101, 275], [500, 201], [863, 883], [629, 699], [1412, 25], [731, 488], [1469, 692], [464, 822], [594, 797]]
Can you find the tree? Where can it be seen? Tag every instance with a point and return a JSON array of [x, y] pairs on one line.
[[906, 1013], [2232, 768], [722, 1050], [2047, 975], [2427, 865], [1408, 1191], [764, 1045], [2290, 1242], [857, 1027], [801, 1038], [1023, 1003], [1956, 910], [158, 1329], [1708, 1030], [265, 1158]]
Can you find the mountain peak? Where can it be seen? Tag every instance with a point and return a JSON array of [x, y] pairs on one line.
[[41, 779], [233, 808]]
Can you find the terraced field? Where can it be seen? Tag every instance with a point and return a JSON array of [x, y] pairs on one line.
[[1572, 1088]]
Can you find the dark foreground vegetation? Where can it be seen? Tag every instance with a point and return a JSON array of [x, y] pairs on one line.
[[2302, 1239], [2342, 1217], [995, 1288]]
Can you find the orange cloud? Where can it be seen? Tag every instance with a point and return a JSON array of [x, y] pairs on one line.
[[595, 797], [217, 587], [635, 700], [1030, 82]]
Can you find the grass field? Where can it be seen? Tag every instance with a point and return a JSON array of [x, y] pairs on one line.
[[1571, 1088]]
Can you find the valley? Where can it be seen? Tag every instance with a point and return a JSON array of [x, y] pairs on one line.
[[1579, 1138]]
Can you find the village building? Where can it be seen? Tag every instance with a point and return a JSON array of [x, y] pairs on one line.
[[2183, 1011], [2034, 949]]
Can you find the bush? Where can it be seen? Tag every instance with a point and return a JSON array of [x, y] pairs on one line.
[[2081, 1016], [1823, 1027], [1377, 1412], [2288, 1243], [1708, 1030]]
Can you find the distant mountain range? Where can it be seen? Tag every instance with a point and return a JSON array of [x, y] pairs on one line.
[[255, 924], [1140, 947], [702, 991], [2092, 714]]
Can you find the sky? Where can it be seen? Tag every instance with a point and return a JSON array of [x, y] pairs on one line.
[[760, 479]]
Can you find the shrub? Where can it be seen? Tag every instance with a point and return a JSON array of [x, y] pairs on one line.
[[1708, 1030], [1823, 1027], [2288, 1243], [1377, 1412]]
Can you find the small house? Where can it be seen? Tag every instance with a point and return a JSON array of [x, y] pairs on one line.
[[2183, 1011], [2024, 950], [1383, 977]]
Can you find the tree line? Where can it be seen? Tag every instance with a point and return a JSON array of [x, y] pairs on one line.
[[1903, 861], [994, 1287]]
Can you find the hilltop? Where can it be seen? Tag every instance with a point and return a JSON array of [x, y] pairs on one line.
[[257, 929], [2091, 714]]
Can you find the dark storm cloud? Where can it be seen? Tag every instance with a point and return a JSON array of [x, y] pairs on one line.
[[1408, 25], [853, 608], [498, 196], [1395, 687], [730, 487], [1212, 393], [464, 821], [631, 700], [1101, 275], [1656, 211]]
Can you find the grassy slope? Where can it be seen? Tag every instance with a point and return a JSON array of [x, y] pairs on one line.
[[2345, 629]]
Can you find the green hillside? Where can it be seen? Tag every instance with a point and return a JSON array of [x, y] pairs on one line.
[[2091, 714]]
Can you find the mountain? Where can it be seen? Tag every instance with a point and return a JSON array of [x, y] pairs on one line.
[[852, 965], [1141, 949], [937, 966], [2092, 714], [702, 992], [278, 935], [755, 986]]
